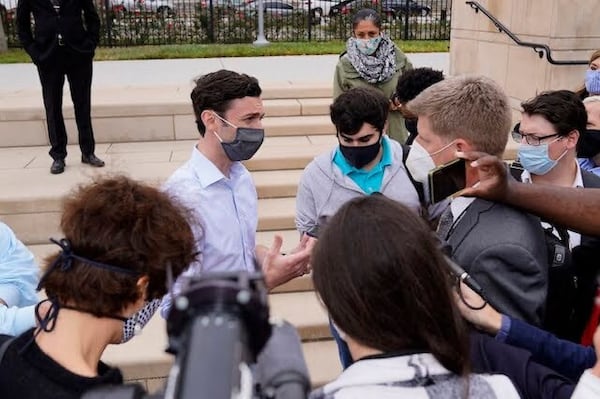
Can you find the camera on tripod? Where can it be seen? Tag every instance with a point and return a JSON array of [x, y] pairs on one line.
[[218, 328]]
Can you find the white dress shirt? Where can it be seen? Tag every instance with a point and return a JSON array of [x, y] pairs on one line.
[[225, 217], [574, 237]]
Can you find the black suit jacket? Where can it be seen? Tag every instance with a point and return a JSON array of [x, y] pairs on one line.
[[585, 257], [68, 23]]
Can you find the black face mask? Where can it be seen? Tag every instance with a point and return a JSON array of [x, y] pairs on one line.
[[245, 144], [247, 141], [360, 156], [588, 145]]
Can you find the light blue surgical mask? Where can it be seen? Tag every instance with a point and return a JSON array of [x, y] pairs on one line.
[[368, 46], [535, 158], [592, 81]]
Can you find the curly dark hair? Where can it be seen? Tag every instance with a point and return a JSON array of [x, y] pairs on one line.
[[412, 82], [120, 222], [357, 106], [215, 91]]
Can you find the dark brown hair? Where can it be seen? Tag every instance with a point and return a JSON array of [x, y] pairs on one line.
[[562, 108], [357, 106], [380, 274], [215, 91], [120, 222]]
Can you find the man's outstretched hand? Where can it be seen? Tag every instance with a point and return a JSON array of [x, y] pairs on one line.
[[278, 268]]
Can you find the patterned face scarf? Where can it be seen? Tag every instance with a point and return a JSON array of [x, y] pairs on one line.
[[375, 68]]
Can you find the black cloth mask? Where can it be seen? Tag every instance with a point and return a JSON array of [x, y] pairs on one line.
[[247, 141], [360, 156], [245, 144], [588, 145]]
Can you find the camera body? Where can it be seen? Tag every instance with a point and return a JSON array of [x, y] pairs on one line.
[[218, 328]]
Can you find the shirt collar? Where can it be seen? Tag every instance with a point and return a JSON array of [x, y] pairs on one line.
[[346, 168], [206, 171], [459, 205]]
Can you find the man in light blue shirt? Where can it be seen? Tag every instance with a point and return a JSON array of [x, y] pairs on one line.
[[219, 191], [18, 281]]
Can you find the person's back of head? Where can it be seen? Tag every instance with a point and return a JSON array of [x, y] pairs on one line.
[[214, 91], [472, 108], [391, 294], [351, 109], [117, 230], [413, 81]]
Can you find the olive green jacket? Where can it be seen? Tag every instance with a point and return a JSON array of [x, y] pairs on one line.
[[346, 77]]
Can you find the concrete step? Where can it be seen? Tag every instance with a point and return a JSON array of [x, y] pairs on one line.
[[148, 116], [32, 208], [143, 358]]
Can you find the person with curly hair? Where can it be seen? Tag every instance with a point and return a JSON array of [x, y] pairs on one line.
[[409, 86], [121, 240]]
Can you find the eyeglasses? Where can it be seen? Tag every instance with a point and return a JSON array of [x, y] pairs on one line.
[[529, 138]]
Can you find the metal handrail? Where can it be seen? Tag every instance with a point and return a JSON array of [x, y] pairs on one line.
[[539, 48]]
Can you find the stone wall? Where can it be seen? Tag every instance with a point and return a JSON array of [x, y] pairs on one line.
[[569, 28]]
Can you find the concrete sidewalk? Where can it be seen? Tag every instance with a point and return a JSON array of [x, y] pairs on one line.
[[180, 72]]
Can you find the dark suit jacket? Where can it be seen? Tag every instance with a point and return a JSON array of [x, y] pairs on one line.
[[43, 41], [532, 380], [504, 250], [586, 257]]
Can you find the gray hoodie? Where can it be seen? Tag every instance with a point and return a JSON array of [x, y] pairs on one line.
[[323, 189]]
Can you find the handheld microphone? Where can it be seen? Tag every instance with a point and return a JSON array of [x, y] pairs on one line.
[[465, 277]]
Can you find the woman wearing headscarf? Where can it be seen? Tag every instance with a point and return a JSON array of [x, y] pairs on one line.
[[372, 59]]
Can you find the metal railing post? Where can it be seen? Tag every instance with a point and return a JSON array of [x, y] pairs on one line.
[[261, 40]]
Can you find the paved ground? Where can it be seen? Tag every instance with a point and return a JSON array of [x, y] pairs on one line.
[[180, 72]]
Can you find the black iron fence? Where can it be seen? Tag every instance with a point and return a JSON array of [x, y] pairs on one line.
[[152, 22]]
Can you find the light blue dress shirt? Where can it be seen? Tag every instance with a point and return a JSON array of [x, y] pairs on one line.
[[19, 276], [225, 217], [588, 165]]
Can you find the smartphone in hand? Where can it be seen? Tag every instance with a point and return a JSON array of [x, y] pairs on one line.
[[447, 179]]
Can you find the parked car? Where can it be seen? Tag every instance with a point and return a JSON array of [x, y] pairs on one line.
[[399, 8], [165, 7], [347, 6], [273, 7], [320, 8]]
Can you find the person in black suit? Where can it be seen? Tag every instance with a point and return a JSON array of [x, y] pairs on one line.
[[501, 247], [62, 44]]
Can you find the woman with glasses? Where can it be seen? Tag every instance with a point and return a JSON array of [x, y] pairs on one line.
[[372, 59], [551, 126]]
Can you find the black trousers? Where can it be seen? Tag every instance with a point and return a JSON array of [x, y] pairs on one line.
[[77, 68]]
